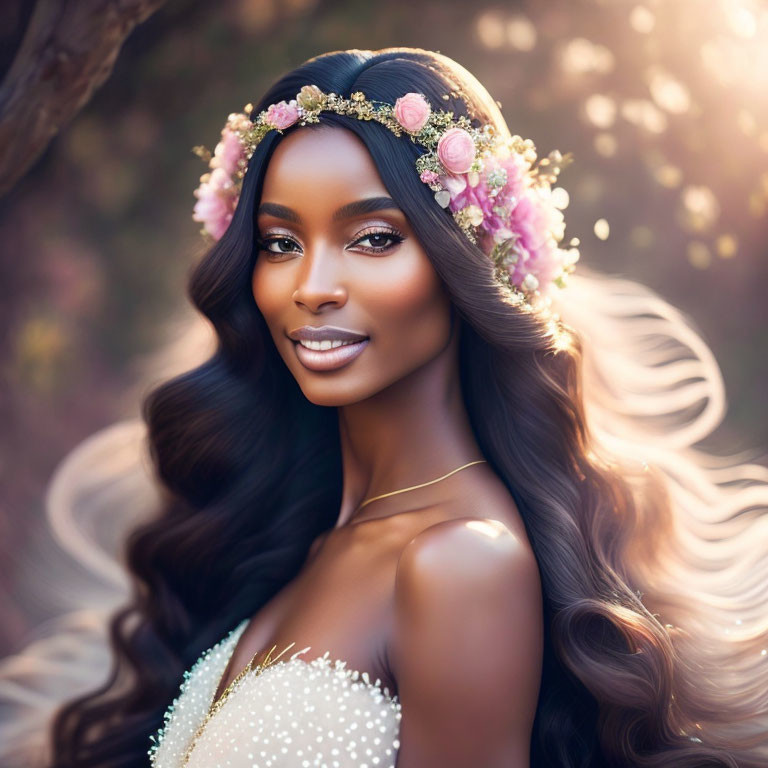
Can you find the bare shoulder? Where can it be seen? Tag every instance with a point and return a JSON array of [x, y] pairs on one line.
[[483, 549], [466, 646]]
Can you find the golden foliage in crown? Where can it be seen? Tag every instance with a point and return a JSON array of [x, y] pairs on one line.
[[311, 101]]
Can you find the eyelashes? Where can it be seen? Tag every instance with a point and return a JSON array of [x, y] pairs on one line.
[[395, 236]]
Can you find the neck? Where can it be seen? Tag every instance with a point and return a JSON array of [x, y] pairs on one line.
[[413, 431]]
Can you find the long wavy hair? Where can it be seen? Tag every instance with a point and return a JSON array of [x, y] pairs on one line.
[[650, 554]]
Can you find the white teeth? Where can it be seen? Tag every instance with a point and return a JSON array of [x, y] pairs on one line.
[[325, 344]]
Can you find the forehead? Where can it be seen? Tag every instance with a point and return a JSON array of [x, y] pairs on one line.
[[320, 161]]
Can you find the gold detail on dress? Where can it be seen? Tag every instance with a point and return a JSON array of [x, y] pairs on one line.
[[217, 705]]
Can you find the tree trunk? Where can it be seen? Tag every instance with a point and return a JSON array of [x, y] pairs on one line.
[[68, 51]]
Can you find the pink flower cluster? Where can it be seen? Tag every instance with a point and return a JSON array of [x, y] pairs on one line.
[[519, 211], [217, 195], [455, 149]]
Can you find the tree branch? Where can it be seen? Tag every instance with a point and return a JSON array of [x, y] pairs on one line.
[[68, 51]]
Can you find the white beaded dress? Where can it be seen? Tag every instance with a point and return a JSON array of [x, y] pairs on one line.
[[289, 712]]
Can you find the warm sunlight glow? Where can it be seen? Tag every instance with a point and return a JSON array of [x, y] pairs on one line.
[[490, 528]]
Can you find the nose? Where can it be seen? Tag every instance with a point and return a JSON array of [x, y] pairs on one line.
[[317, 281]]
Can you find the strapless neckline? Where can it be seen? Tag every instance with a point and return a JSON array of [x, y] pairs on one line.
[[217, 659], [270, 661]]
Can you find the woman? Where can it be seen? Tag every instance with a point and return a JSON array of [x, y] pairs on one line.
[[409, 463]]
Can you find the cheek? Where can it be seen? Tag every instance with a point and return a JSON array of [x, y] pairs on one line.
[[409, 309], [269, 291]]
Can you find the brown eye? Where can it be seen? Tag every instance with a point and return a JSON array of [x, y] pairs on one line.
[[378, 240], [280, 241]]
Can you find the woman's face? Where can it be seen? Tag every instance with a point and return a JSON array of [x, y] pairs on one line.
[[329, 260]]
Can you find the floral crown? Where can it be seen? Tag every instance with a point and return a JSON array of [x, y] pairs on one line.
[[500, 200]]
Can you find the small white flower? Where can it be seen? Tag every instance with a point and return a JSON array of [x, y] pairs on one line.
[[475, 215], [530, 282]]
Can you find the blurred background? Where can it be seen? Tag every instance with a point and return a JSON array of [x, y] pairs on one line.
[[663, 105]]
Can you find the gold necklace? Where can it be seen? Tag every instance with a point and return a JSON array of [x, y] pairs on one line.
[[420, 485]]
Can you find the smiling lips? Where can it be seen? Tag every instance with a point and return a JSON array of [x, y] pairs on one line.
[[325, 333], [327, 347]]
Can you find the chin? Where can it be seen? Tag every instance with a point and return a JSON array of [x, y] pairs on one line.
[[333, 392]]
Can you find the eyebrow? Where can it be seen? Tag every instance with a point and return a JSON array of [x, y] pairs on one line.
[[356, 208]]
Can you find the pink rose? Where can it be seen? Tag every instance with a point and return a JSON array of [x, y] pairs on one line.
[[456, 150], [412, 111], [283, 114], [429, 177]]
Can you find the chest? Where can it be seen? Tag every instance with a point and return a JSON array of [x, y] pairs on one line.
[[340, 603]]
